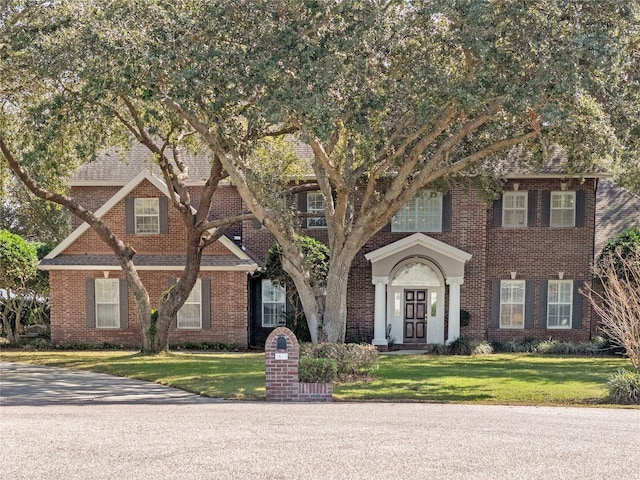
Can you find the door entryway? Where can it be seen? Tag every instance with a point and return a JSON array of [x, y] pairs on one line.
[[415, 316]]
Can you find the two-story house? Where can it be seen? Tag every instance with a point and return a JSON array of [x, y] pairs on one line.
[[447, 265]]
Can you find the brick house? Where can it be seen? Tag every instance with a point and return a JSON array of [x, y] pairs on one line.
[[447, 265]]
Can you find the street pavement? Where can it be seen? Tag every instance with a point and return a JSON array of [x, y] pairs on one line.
[[63, 424]]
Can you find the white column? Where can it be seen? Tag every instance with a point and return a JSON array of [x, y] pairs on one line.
[[380, 311], [454, 308]]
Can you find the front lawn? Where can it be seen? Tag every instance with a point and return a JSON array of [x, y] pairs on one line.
[[487, 379]]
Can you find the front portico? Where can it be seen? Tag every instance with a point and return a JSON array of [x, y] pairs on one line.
[[410, 278]]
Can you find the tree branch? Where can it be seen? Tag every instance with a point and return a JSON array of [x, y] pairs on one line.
[[101, 228]]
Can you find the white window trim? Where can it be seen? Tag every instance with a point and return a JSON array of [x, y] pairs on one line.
[[196, 288], [436, 228], [137, 215], [523, 303], [506, 209], [551, 209], [115, 302], [263, 302], [317, 198], [570, 303]]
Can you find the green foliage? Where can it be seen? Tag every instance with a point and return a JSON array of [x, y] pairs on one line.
[[37, 344], [624, 387], [597, 346], [18, 261], [205, 346], [626, 245], [460, 346], [316, 259], [351, 358], [522, 346], [30, 217], [317, 370], [153, 325], [557, 347]]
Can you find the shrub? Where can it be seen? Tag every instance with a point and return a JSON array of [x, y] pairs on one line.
[[460, 346], [523, 346], [557, 347], [37, 344], [351, 358], [624, 387], [317, 370], [482, 348]]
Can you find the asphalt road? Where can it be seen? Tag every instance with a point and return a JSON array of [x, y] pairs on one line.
[[59, 424]]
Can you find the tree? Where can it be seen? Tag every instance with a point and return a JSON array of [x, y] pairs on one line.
[[55, 113], [617, 299], [18, 281], [31, 217], [616, 252], [316, 257], [392, 96], [397, 96]]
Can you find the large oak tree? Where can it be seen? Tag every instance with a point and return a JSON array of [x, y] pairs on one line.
[[392, 96]]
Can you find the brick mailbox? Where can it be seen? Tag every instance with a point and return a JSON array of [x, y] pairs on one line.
[[282, 355]]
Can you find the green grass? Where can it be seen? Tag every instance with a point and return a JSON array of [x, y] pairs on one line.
[[515, 379]]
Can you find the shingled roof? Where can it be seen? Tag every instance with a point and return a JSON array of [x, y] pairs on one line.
[[118, 167], [616, 210], [519, 164]]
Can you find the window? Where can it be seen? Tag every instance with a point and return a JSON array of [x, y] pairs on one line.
[[512, 295], [514, 209], [273, 304], [559, 302], [563, 209], [147, 215], [423, 213], [315, 204], [190, 315], [107, 303]]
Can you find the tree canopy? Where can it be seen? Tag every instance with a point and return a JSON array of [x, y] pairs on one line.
[[392, 96]]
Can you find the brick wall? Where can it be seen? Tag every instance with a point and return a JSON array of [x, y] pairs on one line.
[[538, 253], [68, 323]]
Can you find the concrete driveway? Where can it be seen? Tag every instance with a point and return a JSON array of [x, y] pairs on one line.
[[76, 425]]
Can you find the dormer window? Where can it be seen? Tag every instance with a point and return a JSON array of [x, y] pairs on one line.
[[147, 215]]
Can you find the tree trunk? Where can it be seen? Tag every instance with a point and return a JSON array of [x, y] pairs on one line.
[[12, 335], [334, 319], [309, 299]]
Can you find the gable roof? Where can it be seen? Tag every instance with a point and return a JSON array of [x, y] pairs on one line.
[[616, 210], [422, 240], [116, 167], [48, 261]]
